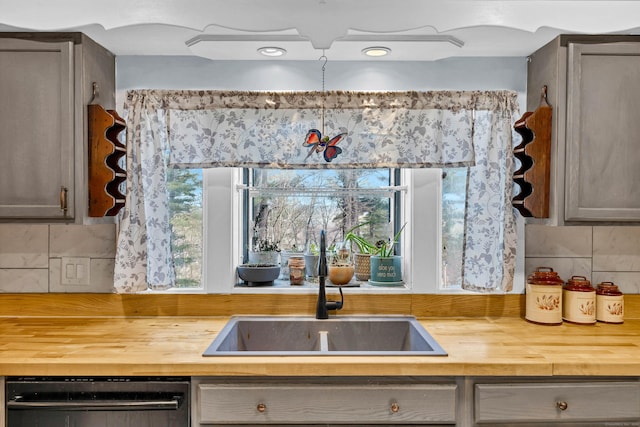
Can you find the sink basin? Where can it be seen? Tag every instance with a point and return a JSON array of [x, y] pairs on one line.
[[297, 336]]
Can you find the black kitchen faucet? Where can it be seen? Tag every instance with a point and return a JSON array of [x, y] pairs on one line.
[[323, 305]]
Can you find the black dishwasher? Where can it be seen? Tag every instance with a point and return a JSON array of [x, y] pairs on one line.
[[91, 402]]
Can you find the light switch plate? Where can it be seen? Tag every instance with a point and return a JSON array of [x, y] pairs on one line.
[[75, 271]]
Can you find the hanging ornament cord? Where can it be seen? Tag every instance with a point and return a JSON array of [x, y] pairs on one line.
[[324, 67]]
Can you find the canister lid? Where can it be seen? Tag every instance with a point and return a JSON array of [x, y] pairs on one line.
[[608, 288], [545, 276], [579, 284]]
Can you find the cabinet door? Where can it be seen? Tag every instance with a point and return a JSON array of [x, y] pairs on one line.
[[324, 404], [37, 138], [603, 132], [556, 403]]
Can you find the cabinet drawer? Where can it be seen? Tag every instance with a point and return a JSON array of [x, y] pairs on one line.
[[602, 401], [326, 404]]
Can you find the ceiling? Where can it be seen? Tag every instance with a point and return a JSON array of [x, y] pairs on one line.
[[414, 30]]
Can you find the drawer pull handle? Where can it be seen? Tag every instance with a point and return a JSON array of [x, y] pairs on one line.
[[261, 407], [63, 199], [395, 407], [562, 405]]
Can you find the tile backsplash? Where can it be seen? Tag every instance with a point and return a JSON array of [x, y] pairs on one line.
[[600, 253], [31, 256]]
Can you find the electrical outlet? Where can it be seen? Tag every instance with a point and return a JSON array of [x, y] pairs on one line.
[[75, 271]]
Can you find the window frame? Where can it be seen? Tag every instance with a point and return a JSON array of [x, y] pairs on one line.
[[395, 205], [222, 204]]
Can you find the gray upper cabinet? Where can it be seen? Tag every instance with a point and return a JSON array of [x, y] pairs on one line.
[[594, 88], [46, 84]]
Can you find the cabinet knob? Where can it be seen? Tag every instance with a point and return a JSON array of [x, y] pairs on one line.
[[562, 405], [395, 407], [261, 407]]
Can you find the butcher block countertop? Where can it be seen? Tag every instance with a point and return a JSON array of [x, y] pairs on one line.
[[114, 335]]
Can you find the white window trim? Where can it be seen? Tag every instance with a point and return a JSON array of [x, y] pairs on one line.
[[421, 242]]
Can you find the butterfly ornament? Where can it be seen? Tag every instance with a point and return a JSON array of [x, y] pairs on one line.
[[319, 144]]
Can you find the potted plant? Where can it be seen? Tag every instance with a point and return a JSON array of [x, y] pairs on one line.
[[285, 255], [362, 258], [265, 251], [341, 268], [386, 268], [311, 257]]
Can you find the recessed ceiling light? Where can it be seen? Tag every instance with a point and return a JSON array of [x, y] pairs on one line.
[[272, 51], [376, 51]]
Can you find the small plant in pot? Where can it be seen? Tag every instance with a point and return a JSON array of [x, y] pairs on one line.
[[263, 266], [258, 274], [362, 258], [265, 251], [386, 268], [341, 268], [311, 258]]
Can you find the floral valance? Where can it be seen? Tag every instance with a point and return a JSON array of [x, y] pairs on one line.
[[323, 129]]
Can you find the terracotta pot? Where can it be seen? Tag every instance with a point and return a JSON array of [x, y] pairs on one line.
[[341, 274]]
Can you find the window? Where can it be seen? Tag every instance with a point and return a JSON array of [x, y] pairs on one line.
[[185, 210], [454, 195], [290, 207], [297, 204]]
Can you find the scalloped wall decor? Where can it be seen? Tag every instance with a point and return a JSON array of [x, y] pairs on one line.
[[484, 27]]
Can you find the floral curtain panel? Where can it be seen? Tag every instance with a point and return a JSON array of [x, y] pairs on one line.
[[353, 129], [490, 237], [326, 130]]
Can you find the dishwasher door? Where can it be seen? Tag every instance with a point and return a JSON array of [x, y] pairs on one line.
[[98, 402]]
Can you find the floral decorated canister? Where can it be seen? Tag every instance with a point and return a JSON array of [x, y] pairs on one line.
[[579, 301], [544, 297], [609, 303]]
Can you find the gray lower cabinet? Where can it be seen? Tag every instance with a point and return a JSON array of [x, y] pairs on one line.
[[46, 84], [461, 401], [309, 402], [594, 88], [552, 402]]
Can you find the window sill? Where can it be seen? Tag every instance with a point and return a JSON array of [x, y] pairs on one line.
[[311, 286]]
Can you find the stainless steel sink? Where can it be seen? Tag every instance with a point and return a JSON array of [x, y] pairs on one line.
[[297, 336]]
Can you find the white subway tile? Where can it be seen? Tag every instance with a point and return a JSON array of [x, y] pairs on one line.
[[616, 248], [24, 245], [563, 242], [95, 241], [16, 280]]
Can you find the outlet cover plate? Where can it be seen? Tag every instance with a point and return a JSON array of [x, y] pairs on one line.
[[75, 271]]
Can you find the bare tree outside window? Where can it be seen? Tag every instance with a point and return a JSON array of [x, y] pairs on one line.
[[300, 203]]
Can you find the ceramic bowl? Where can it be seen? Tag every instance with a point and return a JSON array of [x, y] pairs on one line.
[[258, 274]]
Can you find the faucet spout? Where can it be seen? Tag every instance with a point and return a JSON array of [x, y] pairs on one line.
[[322, 306], [323, 272]]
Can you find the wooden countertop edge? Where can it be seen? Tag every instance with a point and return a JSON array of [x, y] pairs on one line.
[[419, 305], [325, 367], [286, 367]]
